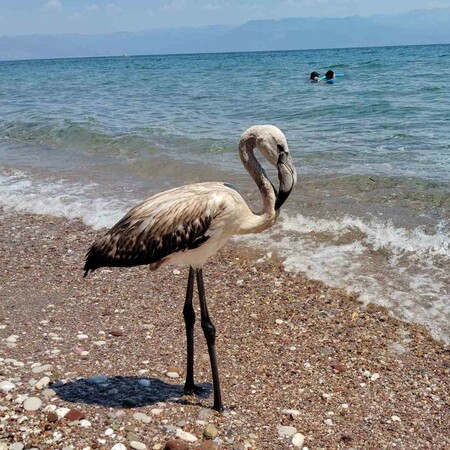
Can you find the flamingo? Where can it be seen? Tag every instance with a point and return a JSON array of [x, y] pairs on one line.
[[188, 224]]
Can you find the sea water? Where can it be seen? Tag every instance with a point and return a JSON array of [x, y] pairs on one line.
[[88, 138]]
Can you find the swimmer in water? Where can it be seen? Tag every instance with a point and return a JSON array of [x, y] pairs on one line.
[[330, 76], [314, 77]]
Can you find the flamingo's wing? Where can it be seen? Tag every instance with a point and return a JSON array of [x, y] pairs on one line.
[[153, 230]]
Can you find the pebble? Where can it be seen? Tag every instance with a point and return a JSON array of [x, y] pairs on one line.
[[85, 423], [210, 432], [82, 337], [117, 333], [156, 411], [396, 419], [16, 446], [375, 377], [42, 383], [118, 447], [141, 417], [48, 393], [145, 383], [328, 422], [173, 374], [132, 437], [6, 386], [286, 431], [109, 432], [73, 414], [62, 412], [185, 436], [293, 413], [13, 338], [338, 367], [52, 417], [32, 404], [208, 445], [137, 445], [205, 413], [44, 368], [176, 444], [97, 379], [297, 440]]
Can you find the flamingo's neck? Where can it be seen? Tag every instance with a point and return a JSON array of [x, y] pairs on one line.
[[266, 218]]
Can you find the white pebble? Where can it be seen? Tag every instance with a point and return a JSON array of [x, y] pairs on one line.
[[374, 377], [395, 419], [286, 431], [109, 432], [141, 417], [156, 411], [42, 383], [328, 422], [185, 436], [13, 338], [61, 412], [137, 445], [32, 404], [85, 423], [290, 412], [298, 439], [176, 272], [173, 374], [278, 321], [118, 447], [82, 337], [6, 386]]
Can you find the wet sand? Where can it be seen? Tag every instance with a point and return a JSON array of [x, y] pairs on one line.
[[354, 377]]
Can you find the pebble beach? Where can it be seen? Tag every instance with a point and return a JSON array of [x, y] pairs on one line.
[[99, 363]]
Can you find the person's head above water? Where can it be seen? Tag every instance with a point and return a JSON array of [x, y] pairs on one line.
[[314, 76], [329, 75]]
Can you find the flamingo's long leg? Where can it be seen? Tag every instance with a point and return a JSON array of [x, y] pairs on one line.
[[209, 331], [189, 320]]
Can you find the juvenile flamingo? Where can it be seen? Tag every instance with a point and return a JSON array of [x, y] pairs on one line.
[[188, 224]]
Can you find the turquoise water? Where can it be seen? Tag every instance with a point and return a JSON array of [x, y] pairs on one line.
[[89, 137]]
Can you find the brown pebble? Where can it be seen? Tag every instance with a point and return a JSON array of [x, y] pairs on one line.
[[338, 367], [74, 414], [209, 445], [176, 444], [117, 333], [52, 417]]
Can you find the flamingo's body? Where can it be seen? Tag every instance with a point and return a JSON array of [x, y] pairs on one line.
[[188, 224]]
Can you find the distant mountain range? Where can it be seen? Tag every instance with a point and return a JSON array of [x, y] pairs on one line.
[[429, 26]]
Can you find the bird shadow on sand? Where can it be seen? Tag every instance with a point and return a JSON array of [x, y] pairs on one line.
[[126, 392]]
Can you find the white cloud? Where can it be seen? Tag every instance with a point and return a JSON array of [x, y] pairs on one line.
[[54, 5], [93, 7]]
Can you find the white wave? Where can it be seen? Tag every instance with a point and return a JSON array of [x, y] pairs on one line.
[[58, 197], [403, 270]]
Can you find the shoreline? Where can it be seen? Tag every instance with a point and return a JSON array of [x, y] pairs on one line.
[[355, 376]]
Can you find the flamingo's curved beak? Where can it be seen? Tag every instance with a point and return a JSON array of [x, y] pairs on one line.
[[287, 176]]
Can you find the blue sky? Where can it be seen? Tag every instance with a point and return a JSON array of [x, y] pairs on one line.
[[104, 16]]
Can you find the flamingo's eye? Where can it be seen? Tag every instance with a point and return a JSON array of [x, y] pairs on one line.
[[280, 148]]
